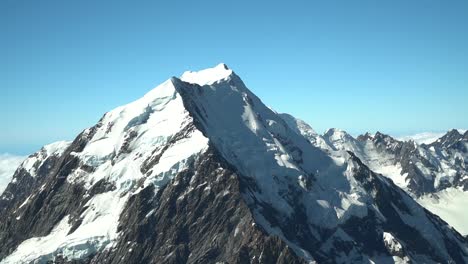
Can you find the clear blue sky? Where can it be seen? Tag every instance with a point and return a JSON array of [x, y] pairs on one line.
[[395, 66]]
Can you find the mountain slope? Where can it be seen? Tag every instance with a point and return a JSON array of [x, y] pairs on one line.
[[30, 174], [450, 204], [419, 169], [435, 174], [199, 170]]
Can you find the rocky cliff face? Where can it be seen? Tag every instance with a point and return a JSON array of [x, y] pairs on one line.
[[31, 174], [200, 217], [199, 170]]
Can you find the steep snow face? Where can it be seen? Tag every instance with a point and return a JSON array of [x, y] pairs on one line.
[[143, 143], [254, 138], [97, 232], [450, 204], [133, 134], [8, 165], [299, 126], [259, 143]]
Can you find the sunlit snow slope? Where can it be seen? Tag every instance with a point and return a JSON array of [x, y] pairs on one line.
[[450, 204]]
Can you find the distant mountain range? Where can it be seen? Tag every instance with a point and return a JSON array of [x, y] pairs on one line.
[[199, 170], [434, 174]]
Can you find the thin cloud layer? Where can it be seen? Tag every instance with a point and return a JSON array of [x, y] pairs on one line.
[[8, 165]]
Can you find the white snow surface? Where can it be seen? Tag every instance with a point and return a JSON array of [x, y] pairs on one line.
[[451, 205], [394, 246], [207, 76], [96, 232], [8, 165], [391, 242]]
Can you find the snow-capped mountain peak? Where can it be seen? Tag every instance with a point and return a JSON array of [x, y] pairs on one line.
[[451, 137], [337, 139], [336, 134], [207, 76], [298, 125], [199, 170]]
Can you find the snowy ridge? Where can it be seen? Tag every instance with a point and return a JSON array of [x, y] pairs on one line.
[[438, 166], [128, 135], [383, 154], [299, 126]]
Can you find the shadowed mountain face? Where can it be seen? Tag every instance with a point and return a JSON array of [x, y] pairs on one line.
[[199, 170]]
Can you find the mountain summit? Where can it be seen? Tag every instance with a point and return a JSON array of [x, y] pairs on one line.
[[199, 170], [207, 76]]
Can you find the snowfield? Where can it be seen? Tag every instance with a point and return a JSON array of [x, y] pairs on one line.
[[451, 205]]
